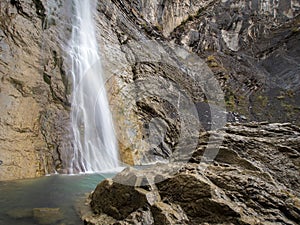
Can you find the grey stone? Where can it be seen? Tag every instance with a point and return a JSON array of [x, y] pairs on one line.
[[254, 179], [46, 216]]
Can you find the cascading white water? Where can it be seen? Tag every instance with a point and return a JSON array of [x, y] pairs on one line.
[[95, 145]]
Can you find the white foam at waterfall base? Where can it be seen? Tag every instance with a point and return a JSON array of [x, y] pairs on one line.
[[95, 145]]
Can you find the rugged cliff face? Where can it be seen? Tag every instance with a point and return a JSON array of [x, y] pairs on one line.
[[251, 48], [33, 91]]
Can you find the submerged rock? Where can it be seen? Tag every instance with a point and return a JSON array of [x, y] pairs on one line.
[[20, 213], [253, 180], [44, 216]]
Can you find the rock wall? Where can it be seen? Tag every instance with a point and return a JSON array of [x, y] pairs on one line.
[[147, 86], [251, 47], [244, 43], [33, 92]]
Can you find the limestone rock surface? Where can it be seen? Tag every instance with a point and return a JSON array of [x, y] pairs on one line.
[[253, 180]]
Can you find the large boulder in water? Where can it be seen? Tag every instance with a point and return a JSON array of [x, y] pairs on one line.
[[120, 200]]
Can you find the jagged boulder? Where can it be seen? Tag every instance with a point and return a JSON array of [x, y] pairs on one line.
[[120, 200], [243, 185], [258, 147]]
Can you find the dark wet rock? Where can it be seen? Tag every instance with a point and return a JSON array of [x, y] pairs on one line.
[[253, 180], [168, 214], [120, 200]]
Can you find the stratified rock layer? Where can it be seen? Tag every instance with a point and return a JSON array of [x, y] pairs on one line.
[[253, 180]]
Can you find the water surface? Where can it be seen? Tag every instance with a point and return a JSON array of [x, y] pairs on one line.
[[18, 198]]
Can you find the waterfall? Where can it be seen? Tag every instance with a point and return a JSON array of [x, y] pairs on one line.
[[95, 145]]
